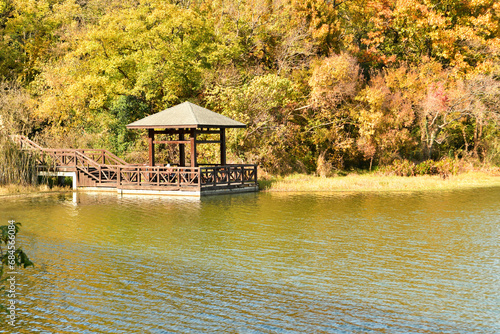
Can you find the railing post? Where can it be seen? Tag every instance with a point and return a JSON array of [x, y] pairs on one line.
[[99, 174], [198, 171], [138, 176], [214, 173], [242, 174], [119, 177], [178, 172], [228, 176]]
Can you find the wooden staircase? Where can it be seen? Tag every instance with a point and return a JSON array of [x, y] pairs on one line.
[[91, 166], [85, 181]]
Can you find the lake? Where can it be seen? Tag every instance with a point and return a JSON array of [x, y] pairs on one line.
[[413, 262]]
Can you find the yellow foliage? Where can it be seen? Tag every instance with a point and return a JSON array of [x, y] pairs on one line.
[[334, 80]]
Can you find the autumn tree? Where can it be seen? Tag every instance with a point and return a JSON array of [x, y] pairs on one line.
[[264, 103], [323, 85], [476, 101], [334, 83], [458, 34], [384, 119]]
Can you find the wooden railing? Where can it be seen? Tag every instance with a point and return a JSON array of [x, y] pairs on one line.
[[142, 177], [105, 169], [102, 157], [139, 177], [85, 161], [61, 159], [228, 175], [25, 143]]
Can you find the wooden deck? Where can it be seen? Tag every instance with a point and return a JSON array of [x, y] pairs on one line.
[[100, 169]]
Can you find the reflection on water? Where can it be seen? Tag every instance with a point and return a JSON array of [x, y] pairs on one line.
[[261, 263]]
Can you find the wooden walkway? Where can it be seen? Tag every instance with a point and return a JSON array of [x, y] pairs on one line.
[[100, 169]]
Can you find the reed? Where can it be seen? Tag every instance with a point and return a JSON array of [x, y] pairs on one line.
[[17, 167]]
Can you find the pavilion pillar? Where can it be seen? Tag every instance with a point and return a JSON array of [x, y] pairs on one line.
[[182, 151], [151, 141], [193, 149], [223, 146]]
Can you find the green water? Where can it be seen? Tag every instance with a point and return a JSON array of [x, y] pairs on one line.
[[423, 262]]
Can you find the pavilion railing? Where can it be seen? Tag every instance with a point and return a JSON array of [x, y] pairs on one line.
[[141, 177], [228, 176], [157, 177]]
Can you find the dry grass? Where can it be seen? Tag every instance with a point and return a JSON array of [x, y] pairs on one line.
[[373, 182], [13, 189]]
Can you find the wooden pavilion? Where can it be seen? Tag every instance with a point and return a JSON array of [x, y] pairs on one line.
[[183, 125], [187, 121]]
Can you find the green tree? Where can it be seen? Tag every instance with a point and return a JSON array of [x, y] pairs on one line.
[[12, 256], [28, 32], [139, 58]]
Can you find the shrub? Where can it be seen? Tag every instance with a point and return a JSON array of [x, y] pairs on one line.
[[447, 166], [402, 168], [427, 167]]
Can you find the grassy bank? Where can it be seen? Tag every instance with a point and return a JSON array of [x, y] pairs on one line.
[[377, 182], [311, 183], [12, 189]]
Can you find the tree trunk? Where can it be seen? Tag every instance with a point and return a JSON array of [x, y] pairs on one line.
[[476, 141]]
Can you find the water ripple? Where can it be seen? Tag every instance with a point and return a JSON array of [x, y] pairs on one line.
[[261, 263]]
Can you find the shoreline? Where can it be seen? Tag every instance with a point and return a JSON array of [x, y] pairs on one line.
[[17, 190], [370, 182], [378, 183]]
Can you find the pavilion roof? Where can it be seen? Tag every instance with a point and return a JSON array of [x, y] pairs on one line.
[[185, 115]]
